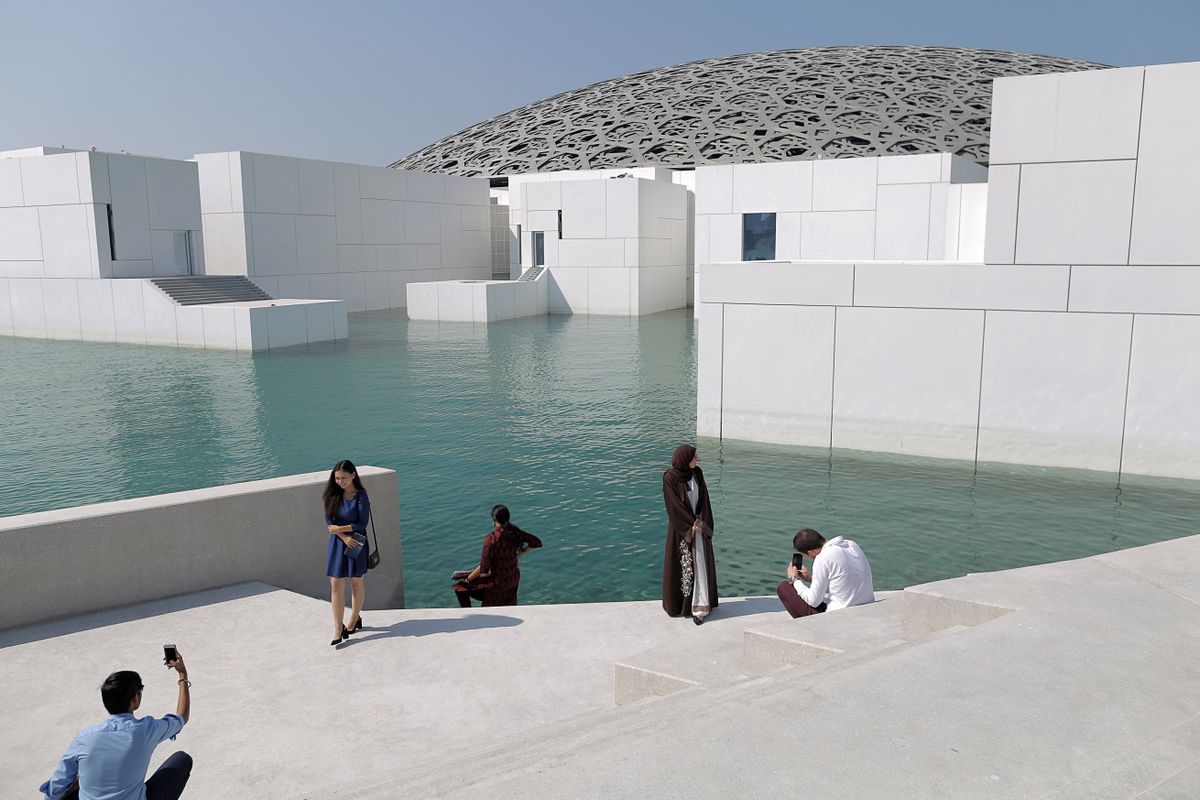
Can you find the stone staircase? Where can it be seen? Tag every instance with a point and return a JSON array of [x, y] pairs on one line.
[[194, 290], [531, 274]]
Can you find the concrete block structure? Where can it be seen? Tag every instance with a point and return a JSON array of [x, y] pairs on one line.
[[83, 238], [301, 228], [613, 246], [1061, 333], [477, 301]]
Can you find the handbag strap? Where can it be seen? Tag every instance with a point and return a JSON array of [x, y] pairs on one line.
[[371, 522]]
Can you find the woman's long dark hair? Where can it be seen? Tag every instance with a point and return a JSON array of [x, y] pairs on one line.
[[500, 516], [333, 492]]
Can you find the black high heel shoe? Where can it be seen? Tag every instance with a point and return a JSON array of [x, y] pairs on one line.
[[357, 627], [345, 635]]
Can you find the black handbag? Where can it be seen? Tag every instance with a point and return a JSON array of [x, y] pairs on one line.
[[373, 556]]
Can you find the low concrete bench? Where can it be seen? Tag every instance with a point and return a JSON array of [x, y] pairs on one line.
[[785, 643]]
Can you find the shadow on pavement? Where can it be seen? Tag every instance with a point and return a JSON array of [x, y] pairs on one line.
[[426, 627]]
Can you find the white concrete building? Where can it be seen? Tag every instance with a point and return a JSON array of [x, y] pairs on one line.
[[1073, 345], [83, 237], [317, 229]]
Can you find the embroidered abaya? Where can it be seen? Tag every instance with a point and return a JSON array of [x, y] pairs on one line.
[[689, 569]]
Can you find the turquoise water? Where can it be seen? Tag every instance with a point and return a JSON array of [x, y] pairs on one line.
[[570, 421]]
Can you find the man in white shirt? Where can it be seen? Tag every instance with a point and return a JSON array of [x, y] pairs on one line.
[[841, 576]]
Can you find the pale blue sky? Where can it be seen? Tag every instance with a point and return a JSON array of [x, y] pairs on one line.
[[372, 81]]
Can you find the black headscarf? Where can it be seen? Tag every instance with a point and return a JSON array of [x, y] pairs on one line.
[[681, 462]]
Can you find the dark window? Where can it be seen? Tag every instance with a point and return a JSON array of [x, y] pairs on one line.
[[539, 248], [758, 237], [560, 223], [112, 235]]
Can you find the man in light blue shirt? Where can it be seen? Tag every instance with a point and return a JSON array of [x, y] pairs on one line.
[[109, 761]]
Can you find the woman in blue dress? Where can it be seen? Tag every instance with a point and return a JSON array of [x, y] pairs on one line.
[[347, 512]]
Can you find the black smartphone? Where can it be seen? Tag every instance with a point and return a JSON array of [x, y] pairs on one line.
[[169, 653], [797, 560]]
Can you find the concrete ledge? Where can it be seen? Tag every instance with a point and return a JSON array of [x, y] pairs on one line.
[[76, 560], [927, 612], [789, 642]]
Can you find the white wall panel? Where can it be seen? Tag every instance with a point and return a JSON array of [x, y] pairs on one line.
[[129, 311], [1003, 192], [1162, 423], [725, 237], [97, 314], [276, 184], [924, 168], [714, 189], [167, 262], [939, 222], [174, 194], [591, 253], [130, 207], [316, 187], [161, 322], [902, 222], [568, 291], [907, 381], [542, 196], [1155, 290], [225, 245], [316, 244], [60, 299], [294, 287], [422, 223], [357, 258], [347, 201], [1098, 114], [216, 186], [318, 319], [844, 184], [67, 247], [352, 289], [274, 238], [22, 269], [20, 239], [376, 291], [466, 191], [584, 209], [324, 286], [396, 256], [426, 186], [220, 327], [475, 218], [777, 381], [1165, 229], [838, 236], [1054, 389], [477, 249], [287, 326], [10, 183], [189, 326], [1075, 213], [381, 183], [6, 320], [773, 188], [1023, 118], [709, 365], [622, 203], [50, 180], [383, 221], [28, 307], [774, 282], [608, 291], [1024, 287], [972, 221], [91, 169]]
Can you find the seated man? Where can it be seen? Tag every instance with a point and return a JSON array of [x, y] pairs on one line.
[[109, 760], [841, 576]]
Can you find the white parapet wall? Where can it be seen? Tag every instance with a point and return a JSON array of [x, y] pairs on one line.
[[135, 311], [477, 301], [322, 230], [58, 563]]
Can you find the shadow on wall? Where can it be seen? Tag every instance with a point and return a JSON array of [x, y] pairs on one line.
[[427, 627]]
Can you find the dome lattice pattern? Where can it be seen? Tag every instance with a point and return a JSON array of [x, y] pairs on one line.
[[830, 102]]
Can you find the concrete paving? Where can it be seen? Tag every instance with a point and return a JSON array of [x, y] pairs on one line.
[[1070, 680]]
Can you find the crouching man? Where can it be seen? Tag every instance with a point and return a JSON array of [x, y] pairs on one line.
[[841, 576], [109, 760]]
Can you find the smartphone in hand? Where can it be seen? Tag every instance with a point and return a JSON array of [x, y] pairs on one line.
[[798, 560], [169, 653]]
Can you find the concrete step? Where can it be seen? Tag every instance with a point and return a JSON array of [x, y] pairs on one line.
[[207, 289], [788, 642]]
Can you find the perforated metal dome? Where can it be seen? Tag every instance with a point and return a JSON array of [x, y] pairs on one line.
[[827, 102]]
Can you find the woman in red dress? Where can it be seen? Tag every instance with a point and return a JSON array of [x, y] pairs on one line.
[[496, 578]]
